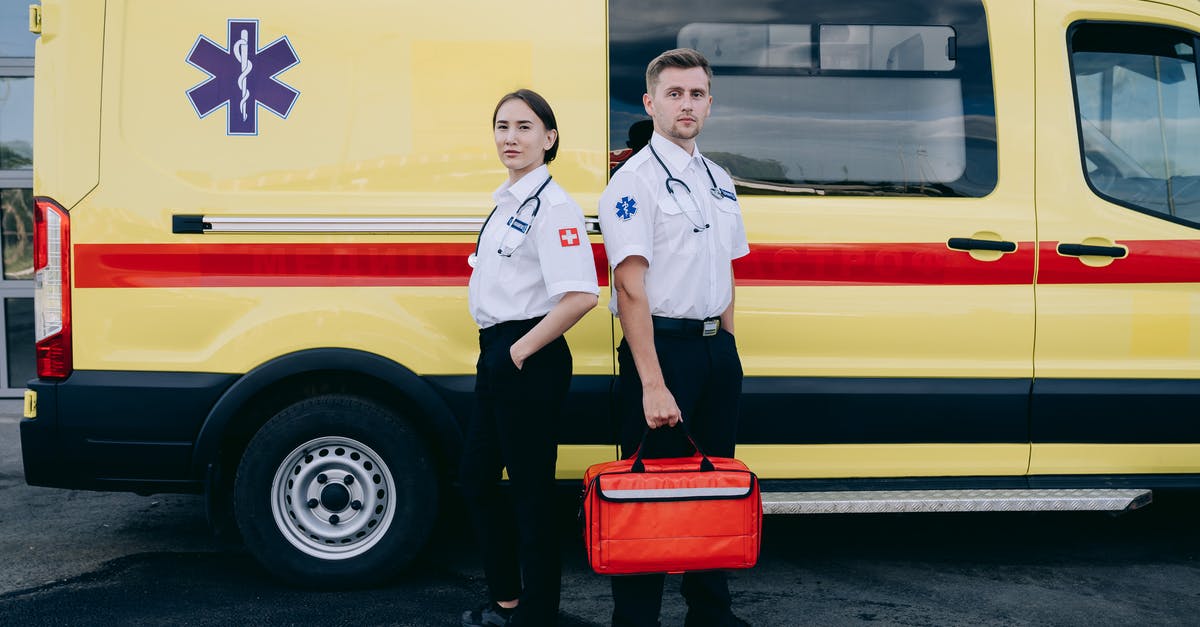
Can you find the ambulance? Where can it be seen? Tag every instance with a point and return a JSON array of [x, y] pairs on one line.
[[974, 277]]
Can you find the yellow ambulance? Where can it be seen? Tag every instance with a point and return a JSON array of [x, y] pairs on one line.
[[974, 278]]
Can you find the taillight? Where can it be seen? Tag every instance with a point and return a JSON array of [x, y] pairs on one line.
[[52, 289]]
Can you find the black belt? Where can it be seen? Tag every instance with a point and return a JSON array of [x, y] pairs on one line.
[[684, 327], [513, 327]]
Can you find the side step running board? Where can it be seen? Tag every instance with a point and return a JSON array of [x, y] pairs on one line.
[[868, 502]]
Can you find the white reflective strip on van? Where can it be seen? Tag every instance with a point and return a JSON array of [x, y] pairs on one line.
[[675, 493], [430, 224]]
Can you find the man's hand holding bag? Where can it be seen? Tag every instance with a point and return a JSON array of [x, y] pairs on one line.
[[672, 514]]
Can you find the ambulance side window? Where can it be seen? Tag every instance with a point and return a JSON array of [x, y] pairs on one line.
[[1138, 108], [870, 97]]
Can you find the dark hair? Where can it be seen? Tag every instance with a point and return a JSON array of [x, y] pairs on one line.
[[541, 108], [682, 58]]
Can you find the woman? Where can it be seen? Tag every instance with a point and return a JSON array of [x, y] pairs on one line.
[[533, 278]]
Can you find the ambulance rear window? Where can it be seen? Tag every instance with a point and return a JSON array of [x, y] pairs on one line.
[[878, 97]]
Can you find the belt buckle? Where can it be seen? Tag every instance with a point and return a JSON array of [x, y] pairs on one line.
[[711, 326]]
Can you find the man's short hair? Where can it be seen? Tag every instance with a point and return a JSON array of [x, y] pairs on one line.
[[682, 58]]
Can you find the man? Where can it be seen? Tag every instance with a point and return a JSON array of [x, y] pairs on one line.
[[672, 227]]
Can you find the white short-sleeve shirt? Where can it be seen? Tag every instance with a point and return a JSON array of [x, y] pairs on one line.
[[689, 275], [552, 258]]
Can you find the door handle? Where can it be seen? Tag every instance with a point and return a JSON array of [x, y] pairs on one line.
[[971, 243], [1081, 250]]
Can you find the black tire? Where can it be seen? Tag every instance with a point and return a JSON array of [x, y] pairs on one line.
[[371, 477]]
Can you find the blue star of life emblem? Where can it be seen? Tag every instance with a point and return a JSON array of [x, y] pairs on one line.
[[243, 76], [626, 207]]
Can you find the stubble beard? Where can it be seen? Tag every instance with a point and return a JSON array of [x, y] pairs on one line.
[[687, 134]]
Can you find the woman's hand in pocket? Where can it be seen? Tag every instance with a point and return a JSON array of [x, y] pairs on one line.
[[517, 356]]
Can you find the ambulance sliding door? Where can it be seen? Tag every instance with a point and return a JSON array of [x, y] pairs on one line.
[[1117, 363], [885, 313]]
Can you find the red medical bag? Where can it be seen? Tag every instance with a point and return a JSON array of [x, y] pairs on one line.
[[671, 515]]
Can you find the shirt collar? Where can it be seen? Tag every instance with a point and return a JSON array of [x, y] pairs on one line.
[[524, 187], [677, 158]]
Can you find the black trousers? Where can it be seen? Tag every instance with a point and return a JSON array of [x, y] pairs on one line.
[[705, 376], [515, 427]]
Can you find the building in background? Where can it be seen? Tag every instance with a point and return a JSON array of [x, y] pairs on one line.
[[16, 198]]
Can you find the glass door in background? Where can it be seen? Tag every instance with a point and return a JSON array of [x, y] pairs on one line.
[[16, 200]]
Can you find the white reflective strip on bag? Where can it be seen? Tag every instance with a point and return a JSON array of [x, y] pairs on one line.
[[674, 493]]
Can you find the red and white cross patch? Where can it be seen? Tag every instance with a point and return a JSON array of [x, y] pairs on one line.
[[568, 237]]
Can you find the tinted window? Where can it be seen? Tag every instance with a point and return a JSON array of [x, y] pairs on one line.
[[1139, 116], [16, 233], [876, 97], [16, 123], [18, 329], [15, 38]]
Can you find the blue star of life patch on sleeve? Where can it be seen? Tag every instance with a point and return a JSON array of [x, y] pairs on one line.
[[626, 207]]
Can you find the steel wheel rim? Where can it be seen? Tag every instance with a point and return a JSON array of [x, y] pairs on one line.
[[354, 494]]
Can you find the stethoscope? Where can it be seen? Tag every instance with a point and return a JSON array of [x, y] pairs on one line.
[[715, 191], [515, 223]]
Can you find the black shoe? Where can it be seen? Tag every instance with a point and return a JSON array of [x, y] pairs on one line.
[[488, 615]]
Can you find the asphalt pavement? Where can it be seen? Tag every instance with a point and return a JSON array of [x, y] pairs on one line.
[[89, 558]]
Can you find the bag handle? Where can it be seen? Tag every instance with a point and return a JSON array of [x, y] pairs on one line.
[[639, 466]]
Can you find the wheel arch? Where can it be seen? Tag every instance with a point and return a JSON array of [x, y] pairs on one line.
[[266, 389]]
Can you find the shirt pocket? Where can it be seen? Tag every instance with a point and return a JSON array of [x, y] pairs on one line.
[[505, 271], [729, 224], [673, 228]]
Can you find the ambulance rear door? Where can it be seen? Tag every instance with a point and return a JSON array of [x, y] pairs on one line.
[[1117, 362]]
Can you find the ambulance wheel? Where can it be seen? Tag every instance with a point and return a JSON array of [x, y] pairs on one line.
[[335, 492]]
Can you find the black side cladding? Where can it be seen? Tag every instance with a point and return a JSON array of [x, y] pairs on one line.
[[116, 430]]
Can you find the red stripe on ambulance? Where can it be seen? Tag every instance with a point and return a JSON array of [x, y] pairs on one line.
[[879, 264], [279, 265], [441, 264], [1148, 261]]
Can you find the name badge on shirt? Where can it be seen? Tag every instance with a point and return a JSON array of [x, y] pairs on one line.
[[519, 225]]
